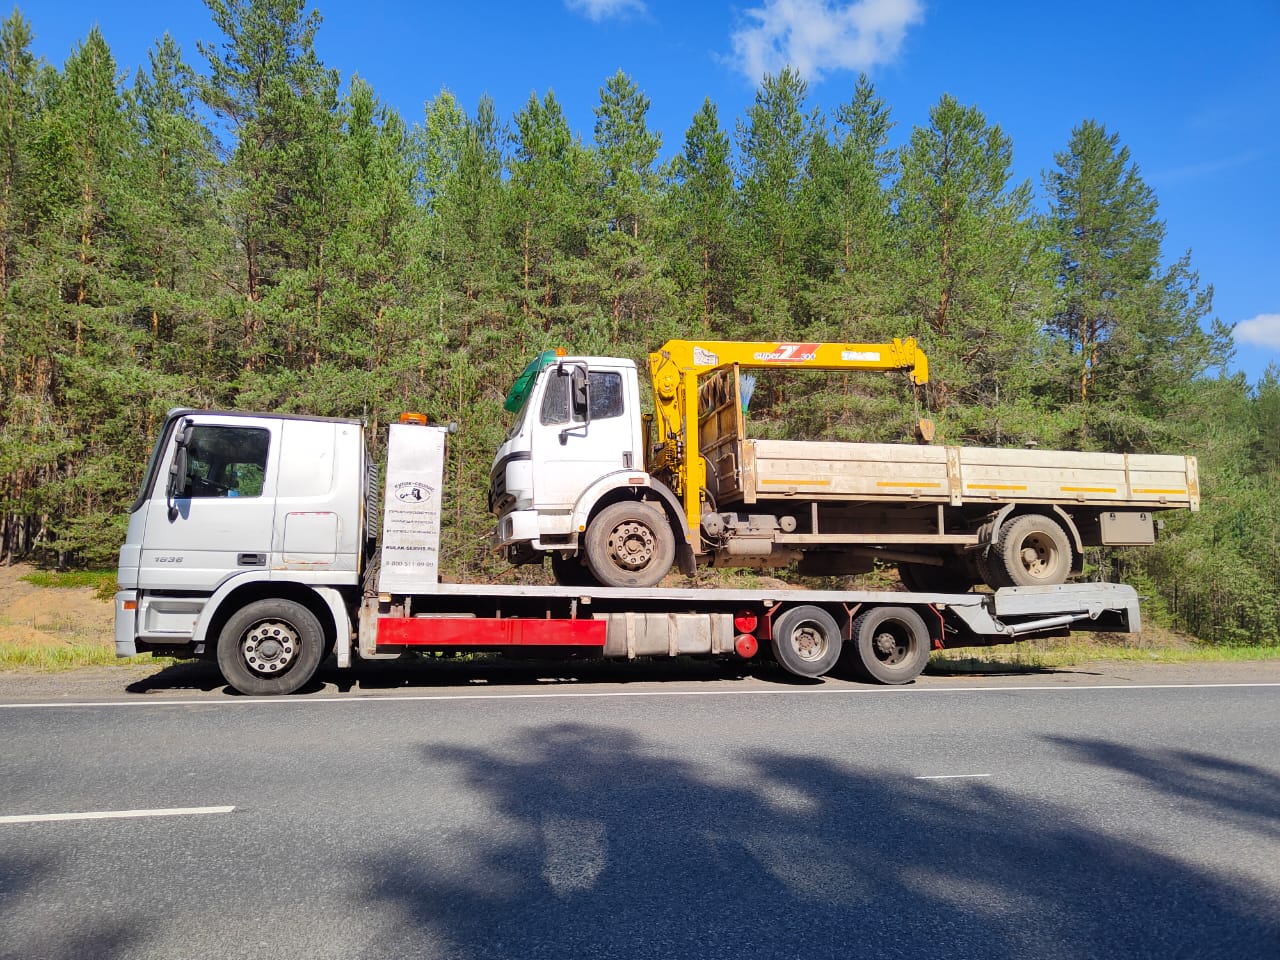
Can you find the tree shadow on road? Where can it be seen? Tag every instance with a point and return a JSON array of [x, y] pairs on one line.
[[50, 930], [587, 841], [1226, 790]]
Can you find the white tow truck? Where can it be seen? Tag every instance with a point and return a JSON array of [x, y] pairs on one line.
[[266, 542]]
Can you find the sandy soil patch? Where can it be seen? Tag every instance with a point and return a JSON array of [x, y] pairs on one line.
[[32, 616]]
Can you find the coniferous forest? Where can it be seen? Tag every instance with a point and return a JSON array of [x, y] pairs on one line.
[[240, 227]]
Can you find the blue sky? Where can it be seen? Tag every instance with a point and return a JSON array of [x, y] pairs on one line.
[[1192, 89]]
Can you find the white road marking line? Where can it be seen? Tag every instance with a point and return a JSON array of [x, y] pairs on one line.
[[116, 814], [955, 776], [807, 692]]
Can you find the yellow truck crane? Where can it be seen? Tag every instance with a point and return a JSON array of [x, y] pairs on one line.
[[568, 483]]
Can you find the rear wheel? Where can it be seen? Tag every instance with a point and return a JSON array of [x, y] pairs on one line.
[[1033, 551], [270, 647], [570, 571], [890, 645], [953, 577], [630, 544], [806, 641]]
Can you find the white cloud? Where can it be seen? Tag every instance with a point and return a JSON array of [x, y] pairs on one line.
[[816, 36], [1262, 330], [598, 10]]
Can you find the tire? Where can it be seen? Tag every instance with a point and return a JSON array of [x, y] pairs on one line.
[[270, 647], [889, 645], [806, 641], [630, 544], [570, 571], [954, 577], [1033, 551], [990, 569]]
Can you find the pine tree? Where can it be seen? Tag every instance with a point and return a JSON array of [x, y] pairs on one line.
[[701, 233], [277, 103], [775, 143], [966, 258], [181, 244], [625, 252], [550, 206], [1131, 327], [851, 265]]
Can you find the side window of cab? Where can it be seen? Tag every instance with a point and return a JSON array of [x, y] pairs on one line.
[[606, 397], [227, 461]]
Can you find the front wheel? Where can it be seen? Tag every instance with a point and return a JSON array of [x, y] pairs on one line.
[[890, 644], [806, 641], [270, 647], [953, 577], [630, 544]]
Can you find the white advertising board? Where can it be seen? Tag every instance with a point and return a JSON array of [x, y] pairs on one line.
[[411, 509]]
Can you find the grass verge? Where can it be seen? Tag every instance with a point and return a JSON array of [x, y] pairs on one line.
[[1034, 656], [51, 658], [103, 582]]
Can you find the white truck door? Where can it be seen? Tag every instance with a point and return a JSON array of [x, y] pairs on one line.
[[568, 454], [224, 523], [318, 498]]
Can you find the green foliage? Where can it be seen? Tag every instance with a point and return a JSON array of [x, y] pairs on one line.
[[258, 236]]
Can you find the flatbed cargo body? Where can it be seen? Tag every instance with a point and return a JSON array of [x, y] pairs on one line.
[[882, 472]]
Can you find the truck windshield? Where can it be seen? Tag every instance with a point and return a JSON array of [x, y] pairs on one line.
[[144, 491], [518, 395], [517, 401]]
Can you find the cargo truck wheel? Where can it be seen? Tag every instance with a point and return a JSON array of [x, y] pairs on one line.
[[630, 544], [270, 647], [890, 645], [570, 571], [955, 577], [806, 641], [1033, 551]]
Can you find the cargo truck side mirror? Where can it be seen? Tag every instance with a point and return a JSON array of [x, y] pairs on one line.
[[178, 479], [579, 399], [580, 392]]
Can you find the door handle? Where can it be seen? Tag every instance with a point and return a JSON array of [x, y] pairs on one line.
[[251, 559]]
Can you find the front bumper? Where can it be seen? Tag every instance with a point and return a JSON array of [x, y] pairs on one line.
[[126, 623]]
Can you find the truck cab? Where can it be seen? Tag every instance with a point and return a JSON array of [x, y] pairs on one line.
[[268, 506], [576, 447]]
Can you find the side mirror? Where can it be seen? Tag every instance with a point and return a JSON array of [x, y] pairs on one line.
[[178, 479], [580, 393]]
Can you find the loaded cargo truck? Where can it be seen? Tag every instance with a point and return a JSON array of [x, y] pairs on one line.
[[267, 542], [615, 497]]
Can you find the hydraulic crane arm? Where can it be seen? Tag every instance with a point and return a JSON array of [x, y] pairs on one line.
[[676, 366]]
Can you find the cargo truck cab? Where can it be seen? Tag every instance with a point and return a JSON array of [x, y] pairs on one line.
[[575, 449]]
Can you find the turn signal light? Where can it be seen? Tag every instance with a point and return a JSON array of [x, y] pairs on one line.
[[419, 418]]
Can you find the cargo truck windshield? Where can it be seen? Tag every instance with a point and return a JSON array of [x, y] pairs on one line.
[[517, 401], [148, 478]]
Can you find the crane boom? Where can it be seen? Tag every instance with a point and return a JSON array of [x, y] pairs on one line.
[[676, 366]]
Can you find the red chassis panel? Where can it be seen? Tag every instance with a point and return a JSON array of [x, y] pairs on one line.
[[458, 632]]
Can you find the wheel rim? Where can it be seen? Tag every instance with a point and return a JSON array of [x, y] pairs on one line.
[[809, 641], [631, 545], [890, 647], [269, 647], [1038, 555]]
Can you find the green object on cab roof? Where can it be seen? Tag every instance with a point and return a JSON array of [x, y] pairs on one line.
[[519, 392]]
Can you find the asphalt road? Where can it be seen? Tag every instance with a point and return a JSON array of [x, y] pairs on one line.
[[521, 812]]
